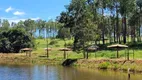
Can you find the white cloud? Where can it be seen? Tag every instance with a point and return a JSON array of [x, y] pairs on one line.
[[37, 18], [9, 9], [18, 13]]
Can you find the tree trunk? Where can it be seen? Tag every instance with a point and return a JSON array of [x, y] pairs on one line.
[[117, 25], [140, 25], [84, 56], [39, 33], [114, 34], [87, 55], [47, 43], [47, 51], [124, 29], [134, 34], [103, 30], [64, 50], [75, 42]]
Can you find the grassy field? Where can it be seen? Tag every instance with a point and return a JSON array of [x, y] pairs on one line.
[[54, 53], [104, 59], [57, 44]]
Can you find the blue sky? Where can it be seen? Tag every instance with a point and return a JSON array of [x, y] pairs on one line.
[[15, 10]]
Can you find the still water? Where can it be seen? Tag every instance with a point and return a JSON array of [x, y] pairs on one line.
[[44, 72]]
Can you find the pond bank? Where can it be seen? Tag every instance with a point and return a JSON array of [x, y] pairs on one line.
[[22, 59], [135, 66], [110, 64]]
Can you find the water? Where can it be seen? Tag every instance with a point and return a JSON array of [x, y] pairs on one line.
[[44, 33], [43, 72]]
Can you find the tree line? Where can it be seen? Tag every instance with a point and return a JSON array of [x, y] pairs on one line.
[[33, 26], [95, 21], [15, 36], [118, 21]]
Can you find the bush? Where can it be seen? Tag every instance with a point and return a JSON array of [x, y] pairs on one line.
[[104, 65], [115, 66], [137, 45], [53, 42], [40, 37], [57, 45], [69, 44], [13, 40]]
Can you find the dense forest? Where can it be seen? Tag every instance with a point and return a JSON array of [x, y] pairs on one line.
[[88, 22]]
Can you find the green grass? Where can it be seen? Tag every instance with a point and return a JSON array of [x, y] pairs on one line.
[[104, 65], [102, 59], [56, 54]]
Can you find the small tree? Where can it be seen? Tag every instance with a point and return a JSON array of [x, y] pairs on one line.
[[63, 34], [13, 40]]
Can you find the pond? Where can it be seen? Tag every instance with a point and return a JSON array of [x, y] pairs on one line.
[[44, 72]]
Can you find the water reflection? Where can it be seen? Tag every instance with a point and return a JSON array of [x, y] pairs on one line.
[[43, 72]]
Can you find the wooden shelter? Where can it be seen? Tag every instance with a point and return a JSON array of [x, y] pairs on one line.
[[47, 51], [117, 46], [28, 51], [92, 49], [65, 49]]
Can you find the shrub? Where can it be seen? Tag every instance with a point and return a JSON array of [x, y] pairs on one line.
[[53, 42], [40, 37], [104, 65], [115, 66], [57, 45], [13, 40], [69, 44]]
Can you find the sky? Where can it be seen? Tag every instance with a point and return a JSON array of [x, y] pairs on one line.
[[16, 10]]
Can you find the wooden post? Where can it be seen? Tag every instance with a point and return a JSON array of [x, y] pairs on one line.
[[129, 76], [26, 53], [87, 55], [67, 55], [64, 54], [128, 55], [125, 54], [117, 53], [95, 54], [47, 53], [133, 54], [30, 54]]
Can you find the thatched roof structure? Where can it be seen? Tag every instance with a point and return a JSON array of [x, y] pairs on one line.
[[27, 49], [49, 49], [92, 48], [117, 46], [65, 49]]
